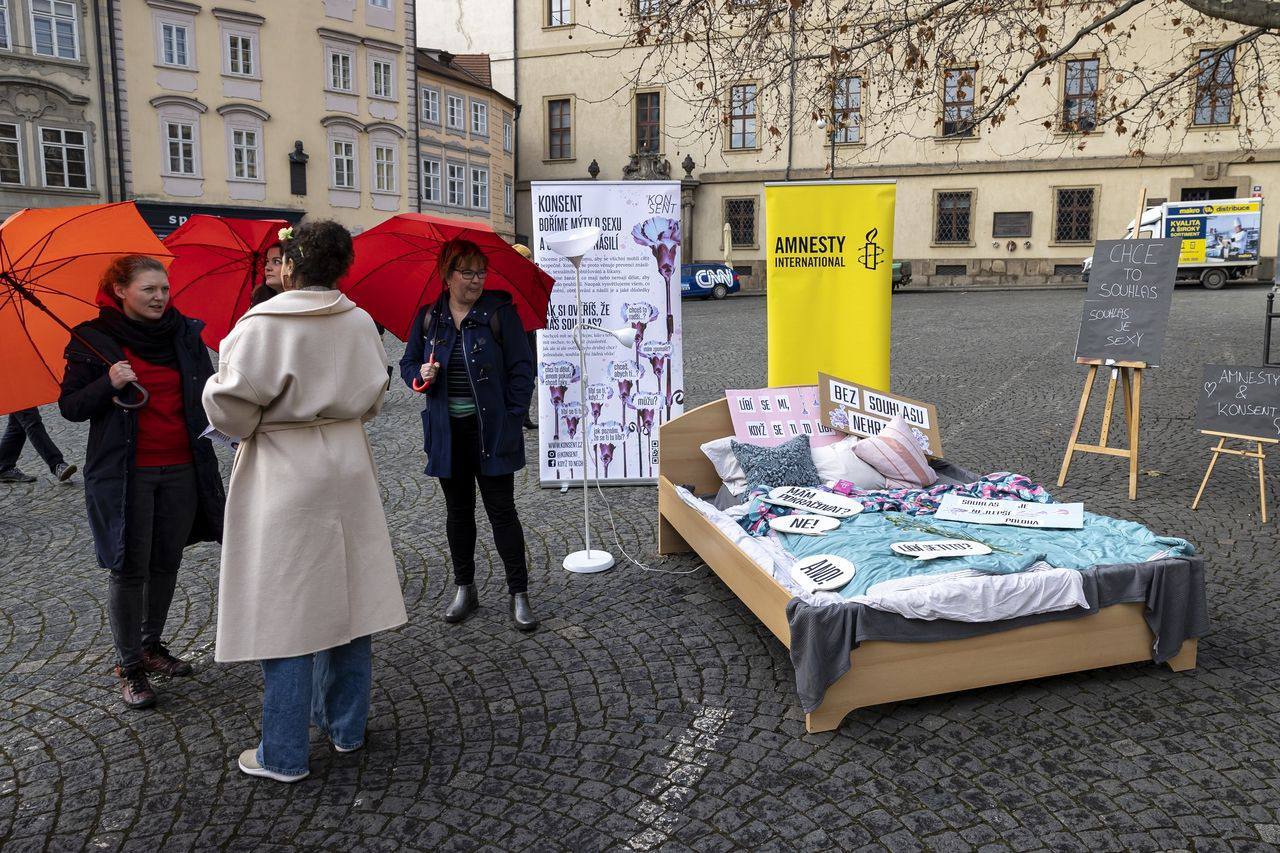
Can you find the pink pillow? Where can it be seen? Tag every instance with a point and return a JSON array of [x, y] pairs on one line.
[[896, 454]]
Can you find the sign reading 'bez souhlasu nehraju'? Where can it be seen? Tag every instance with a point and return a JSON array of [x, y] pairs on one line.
[[1240, 401], [858, 410], [1126, 309]]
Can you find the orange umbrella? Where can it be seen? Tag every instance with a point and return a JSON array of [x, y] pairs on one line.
[[51, 261]]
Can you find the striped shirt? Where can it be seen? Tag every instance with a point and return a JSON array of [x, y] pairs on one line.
[[461, 401]]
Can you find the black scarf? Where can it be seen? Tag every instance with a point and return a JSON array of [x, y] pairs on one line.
[[154, 342]]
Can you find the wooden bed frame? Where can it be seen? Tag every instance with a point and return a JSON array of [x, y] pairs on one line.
[[883, 671]]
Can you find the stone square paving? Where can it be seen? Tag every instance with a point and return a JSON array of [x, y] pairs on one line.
[[652, 711]]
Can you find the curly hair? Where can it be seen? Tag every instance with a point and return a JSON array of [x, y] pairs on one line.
[[321, 253], [122, 271], [453, 253]]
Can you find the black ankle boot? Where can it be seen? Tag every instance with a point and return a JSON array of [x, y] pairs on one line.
[[522, 612], [464, 604]]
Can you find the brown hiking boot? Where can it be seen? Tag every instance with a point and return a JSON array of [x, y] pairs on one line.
[[135, 690], [157, 661]]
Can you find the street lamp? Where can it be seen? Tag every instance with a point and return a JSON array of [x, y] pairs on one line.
[[573, 247]]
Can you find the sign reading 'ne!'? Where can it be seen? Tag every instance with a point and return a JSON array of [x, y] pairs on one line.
[[858, 410]]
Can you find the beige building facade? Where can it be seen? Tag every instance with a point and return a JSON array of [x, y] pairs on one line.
[[55, 124], [287, 108], [466, 141], [1019, 203]]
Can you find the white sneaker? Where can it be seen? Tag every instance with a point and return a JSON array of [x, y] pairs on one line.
[[250, 766]]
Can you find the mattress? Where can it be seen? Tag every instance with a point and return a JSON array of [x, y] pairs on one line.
[[962, 596]]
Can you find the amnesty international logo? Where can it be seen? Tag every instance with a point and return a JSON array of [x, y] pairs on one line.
[[871, 255]]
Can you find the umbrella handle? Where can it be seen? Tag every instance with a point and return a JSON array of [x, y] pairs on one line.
[[138, 405], [421, 386]]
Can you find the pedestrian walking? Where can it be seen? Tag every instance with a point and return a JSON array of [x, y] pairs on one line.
[[307, 569], [272, 283], [22, 426], [472, 340], [151, 483]]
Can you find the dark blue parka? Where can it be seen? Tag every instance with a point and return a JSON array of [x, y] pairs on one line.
[[113, 437], [501, 375]]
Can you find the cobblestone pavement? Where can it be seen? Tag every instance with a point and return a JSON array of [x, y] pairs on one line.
[[653, 710]]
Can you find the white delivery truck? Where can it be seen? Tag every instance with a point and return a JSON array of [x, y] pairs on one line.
[[1220, 239]]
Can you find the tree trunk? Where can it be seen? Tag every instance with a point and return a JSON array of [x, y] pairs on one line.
[[1251, 13]]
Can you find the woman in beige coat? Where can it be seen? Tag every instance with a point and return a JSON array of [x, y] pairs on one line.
[[307, 568]]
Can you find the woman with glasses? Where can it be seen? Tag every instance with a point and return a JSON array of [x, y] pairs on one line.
[[273, 283], [469, 350]]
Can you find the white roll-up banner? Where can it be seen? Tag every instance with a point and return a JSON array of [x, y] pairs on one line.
[[630, 279]]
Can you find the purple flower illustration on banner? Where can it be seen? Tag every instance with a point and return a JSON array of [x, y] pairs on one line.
[[662, 236], [628, 376], [558, 376], [658, 354], [571, 414], [606, 436], [597, 396], [606, 456], [645, 405], [639, 315]]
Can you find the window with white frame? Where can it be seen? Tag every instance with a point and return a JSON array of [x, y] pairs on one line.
[[383, 78], [55, 28], [6, 42], [507, 133], [742, 116], [64, 158], [240, 58], [431, 106], [479, 118], [245, 154], [384, 168], [174, 41], [559, 13], [343, 163], [479, 188], [180, 147], [456, 185], [340, 76], [431, 180], [846, 107], [454, 111], [10, 154], [508, 198], [381, 4]]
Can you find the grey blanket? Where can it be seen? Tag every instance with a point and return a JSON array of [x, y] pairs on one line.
[[1172, 591]]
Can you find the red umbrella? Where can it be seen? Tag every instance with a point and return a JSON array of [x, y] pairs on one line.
[[51, 261], [217, 263], [394, 273]]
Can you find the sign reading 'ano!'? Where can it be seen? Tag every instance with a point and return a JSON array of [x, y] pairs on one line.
[[858, 410]]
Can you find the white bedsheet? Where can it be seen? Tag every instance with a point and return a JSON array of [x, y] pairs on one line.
[[963, 596]]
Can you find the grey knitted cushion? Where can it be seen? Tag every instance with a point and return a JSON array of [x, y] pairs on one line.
[[787, 464]]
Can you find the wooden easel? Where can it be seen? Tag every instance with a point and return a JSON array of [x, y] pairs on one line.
[[1130, 379], [1258, 454], [1130, 376]]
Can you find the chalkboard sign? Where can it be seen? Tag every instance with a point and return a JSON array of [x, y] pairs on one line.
[[1126, 309], [1240, 400]]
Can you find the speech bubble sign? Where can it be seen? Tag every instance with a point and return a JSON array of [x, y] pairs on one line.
[[623, 370], [650, 349], [932, 549], [822, 503], [808, 525], [822, 572]]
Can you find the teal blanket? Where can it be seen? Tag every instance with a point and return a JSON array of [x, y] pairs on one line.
[[865, 540]]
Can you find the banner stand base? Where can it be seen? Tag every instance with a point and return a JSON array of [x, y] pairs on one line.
[[588, 562]]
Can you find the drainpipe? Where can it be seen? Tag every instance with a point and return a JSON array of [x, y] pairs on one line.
[[107, 179], [791, 105], [515, 118], [115, 95], [414, 94]]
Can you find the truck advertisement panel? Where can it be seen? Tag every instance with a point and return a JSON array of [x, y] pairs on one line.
[[1215, 232]]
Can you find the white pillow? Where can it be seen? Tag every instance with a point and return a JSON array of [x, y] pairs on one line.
[[726, 464], [833, 461], [838, 462]]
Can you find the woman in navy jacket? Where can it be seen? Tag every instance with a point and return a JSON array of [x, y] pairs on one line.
[[471, 347]]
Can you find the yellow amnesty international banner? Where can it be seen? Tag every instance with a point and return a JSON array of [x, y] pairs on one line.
[[830, 269]]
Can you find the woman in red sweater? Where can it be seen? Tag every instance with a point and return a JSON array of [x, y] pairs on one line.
[[152, 485]]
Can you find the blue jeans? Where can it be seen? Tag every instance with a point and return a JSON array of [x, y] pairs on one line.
[[329, 688]]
